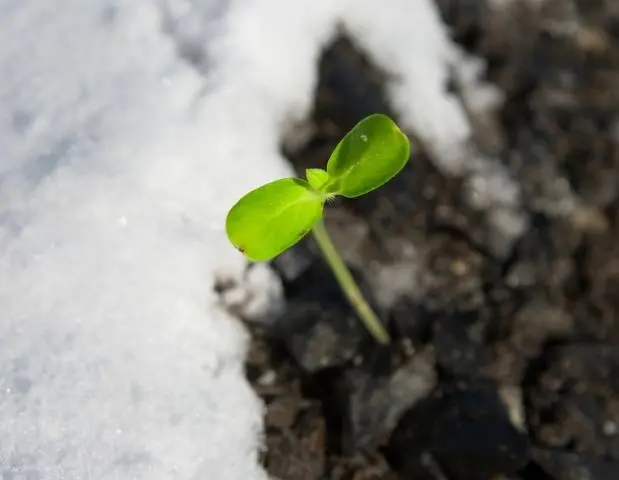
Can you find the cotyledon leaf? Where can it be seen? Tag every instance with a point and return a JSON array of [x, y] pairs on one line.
[[372, 153], [272, 218]]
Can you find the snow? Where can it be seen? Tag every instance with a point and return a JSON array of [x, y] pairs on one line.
[[126, 131], [116, 170], [421, 60], [419, 57]]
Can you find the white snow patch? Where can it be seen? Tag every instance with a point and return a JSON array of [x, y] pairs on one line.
[[408, 39]]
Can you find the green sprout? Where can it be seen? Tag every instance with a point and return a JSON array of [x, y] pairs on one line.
[[274, 217]]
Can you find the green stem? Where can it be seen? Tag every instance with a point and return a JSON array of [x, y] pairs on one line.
[[348, 284]]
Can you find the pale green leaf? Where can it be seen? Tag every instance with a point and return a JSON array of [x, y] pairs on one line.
[[372, 153], [317, 177], [272, 218]]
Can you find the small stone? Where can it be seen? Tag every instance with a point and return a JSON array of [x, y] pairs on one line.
[[513, 401], [267, 378], [610, 428], [319, 327], [376, 402], [536, 323], [459, 268], [467, 430]]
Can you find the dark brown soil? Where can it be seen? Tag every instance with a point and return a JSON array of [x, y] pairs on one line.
[[503, 366]]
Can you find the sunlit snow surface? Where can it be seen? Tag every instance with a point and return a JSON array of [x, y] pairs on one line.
[[116, 166], [126, 130]]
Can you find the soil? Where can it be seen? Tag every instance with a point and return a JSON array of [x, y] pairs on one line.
[[502, 365]]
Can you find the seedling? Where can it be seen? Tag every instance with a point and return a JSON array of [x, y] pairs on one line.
[[272, 218]]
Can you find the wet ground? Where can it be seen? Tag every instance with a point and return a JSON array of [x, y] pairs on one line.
[[505, 361]]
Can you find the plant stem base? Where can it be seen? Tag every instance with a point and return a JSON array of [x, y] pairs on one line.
[[348, 284]]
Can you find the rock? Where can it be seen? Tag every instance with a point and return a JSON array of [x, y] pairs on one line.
[[536, 323], [376, 402], [395, 281], [319, 328], [467, 432], [512, 398]]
